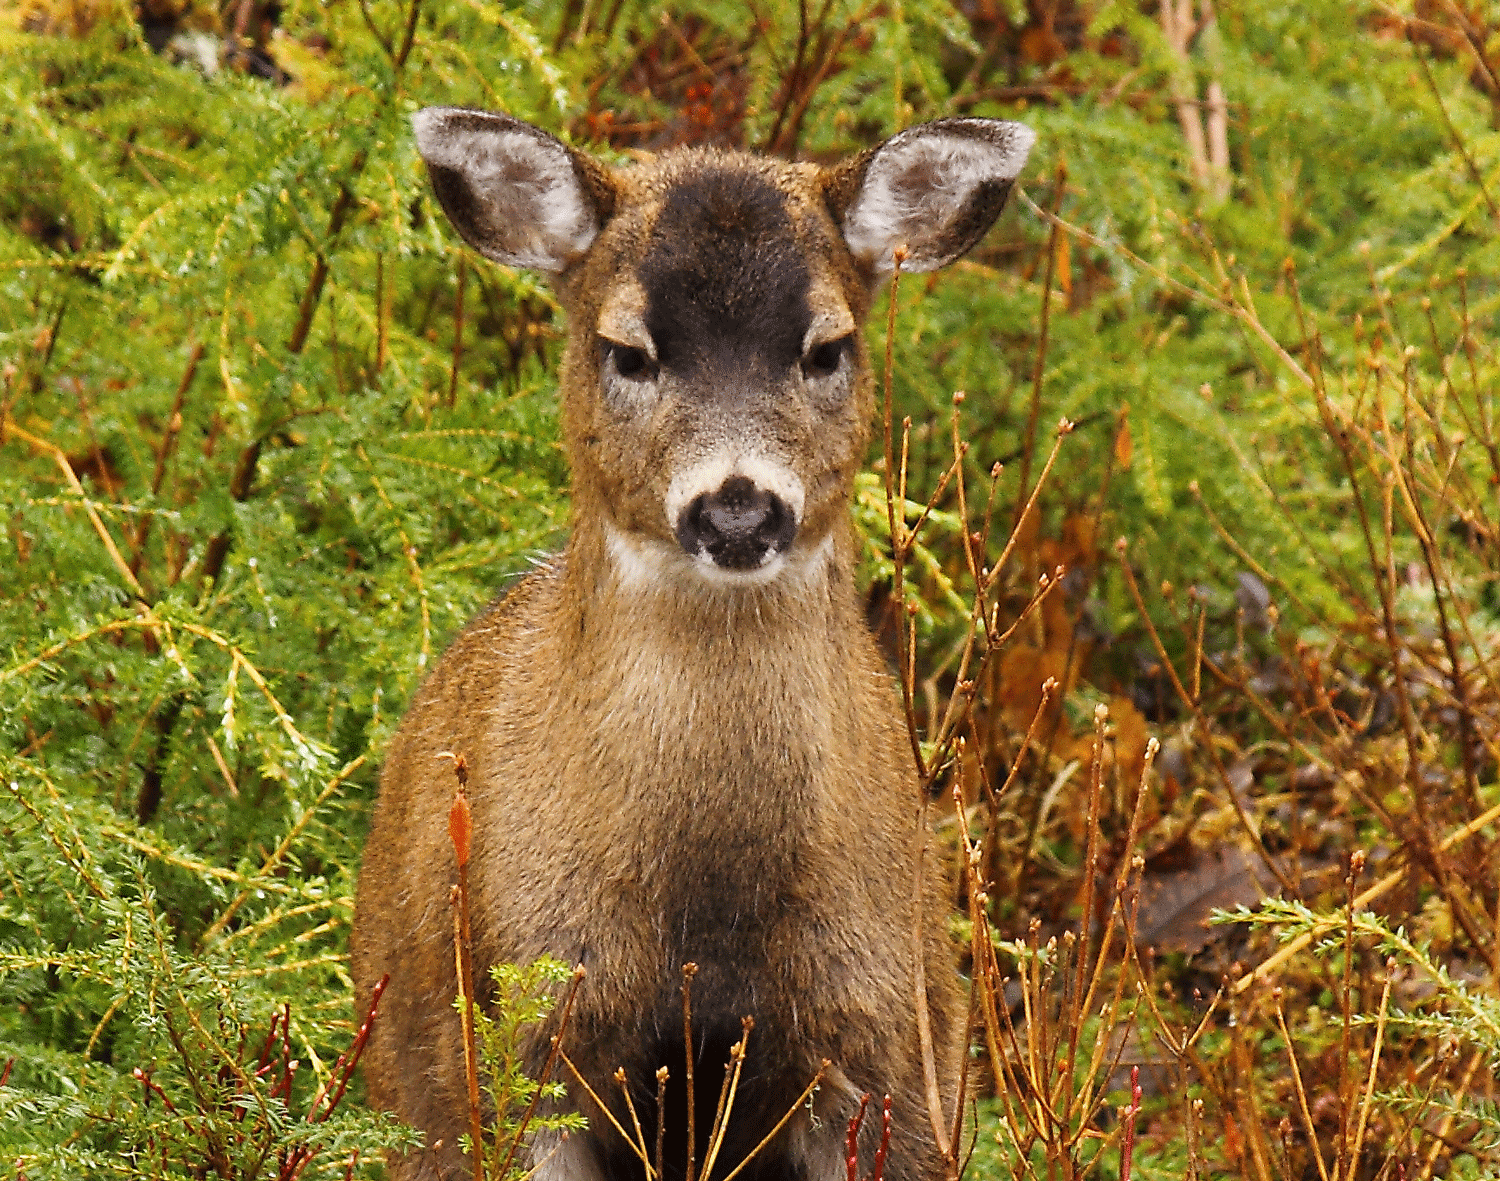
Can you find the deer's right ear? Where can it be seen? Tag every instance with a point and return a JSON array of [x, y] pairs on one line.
[[515, 193]]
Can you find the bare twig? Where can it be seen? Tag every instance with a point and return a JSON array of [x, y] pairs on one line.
[[458, 330], [1246, 824], [1364, 1106], [639, 1142], [726, 1096], [689, 970], [1458, 140], [164, 453], [1132, 1109], [782, 1122], [1039, 364], [661, 1116], [896, 521], [542, 1079]]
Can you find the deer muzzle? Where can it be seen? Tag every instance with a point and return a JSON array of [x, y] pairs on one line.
[[737, 526]]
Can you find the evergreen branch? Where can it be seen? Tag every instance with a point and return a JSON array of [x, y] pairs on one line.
[[271, 862], [9, 427]]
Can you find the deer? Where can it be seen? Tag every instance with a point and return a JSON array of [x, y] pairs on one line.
[[683, 743]]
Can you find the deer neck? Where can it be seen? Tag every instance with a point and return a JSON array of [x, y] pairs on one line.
[[682, 676], [724, 727]]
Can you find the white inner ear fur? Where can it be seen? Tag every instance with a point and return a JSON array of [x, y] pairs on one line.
[[945, 170], [528, 182], [709, 475], [622, 318]]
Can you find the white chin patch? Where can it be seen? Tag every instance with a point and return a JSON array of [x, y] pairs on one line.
[[646, 563]]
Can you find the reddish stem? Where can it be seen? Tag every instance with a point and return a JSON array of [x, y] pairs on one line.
[[343, 1069], [885, 1141], [851, 1141], [1127, 1137]]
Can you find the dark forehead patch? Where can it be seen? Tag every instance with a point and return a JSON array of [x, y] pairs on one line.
[[724, 277]]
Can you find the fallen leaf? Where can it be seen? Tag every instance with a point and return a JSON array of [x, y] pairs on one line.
[[1175, 907]]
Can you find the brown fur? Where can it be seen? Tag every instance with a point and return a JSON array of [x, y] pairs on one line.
[[665, 769]]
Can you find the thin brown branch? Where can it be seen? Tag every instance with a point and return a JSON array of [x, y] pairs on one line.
[[919, 973], [458, 330], [1178, 31], [164, 453], [1458, 140], [782, 1122], [408, 36], [579, 972], [601, 1105], [461, 831], [896, 521], [726, 1095], [1039, 364], [1197, 295], [661, 1117], [689, 970], [1364, 1106], [639, 1142], [1381, 888], [1246, 824]]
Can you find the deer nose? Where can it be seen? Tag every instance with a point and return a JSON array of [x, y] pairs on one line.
[[739, 526]]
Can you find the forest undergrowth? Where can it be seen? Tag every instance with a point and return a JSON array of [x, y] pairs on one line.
[[1181, 535]]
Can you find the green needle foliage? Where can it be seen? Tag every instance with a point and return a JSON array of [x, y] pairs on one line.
[[1450, 1017], [524, 994], [247, 499]]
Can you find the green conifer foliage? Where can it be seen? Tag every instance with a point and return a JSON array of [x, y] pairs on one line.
[[247, 500]]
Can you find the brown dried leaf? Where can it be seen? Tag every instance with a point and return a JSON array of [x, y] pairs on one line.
[[1175, 907], [1131, 736], [460, 826]]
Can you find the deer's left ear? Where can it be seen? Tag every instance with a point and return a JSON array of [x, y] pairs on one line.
[[934, 188]]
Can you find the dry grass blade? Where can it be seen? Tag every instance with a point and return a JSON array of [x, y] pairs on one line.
[[1364, 1105], [726, 1096], [639, 1142], [1302, 1107]]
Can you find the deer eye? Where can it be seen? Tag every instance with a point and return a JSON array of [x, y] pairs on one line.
[[630, 363], [823, 360]]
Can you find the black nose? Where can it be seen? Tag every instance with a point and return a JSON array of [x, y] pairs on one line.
[[740, 526]]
